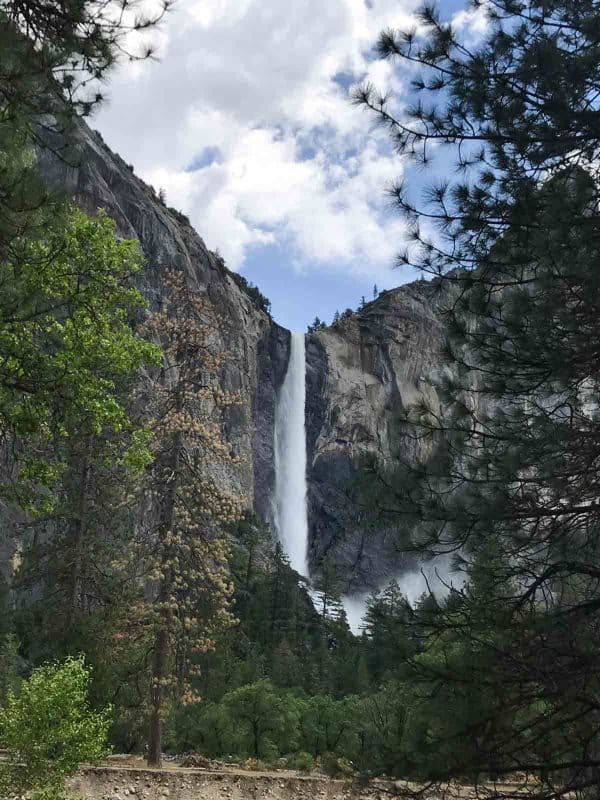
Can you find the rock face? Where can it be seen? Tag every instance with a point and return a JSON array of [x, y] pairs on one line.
[[257, 348], [361, 373]]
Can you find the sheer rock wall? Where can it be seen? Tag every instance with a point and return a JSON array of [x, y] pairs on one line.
[[361, 372]]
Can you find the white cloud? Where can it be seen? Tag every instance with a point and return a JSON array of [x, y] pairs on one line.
[[473, 22], [298, 164]]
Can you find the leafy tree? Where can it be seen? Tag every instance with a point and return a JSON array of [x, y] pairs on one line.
[[207, 728], [322, 724], [376, 726], [513, 442], [48, 730], [266, 720], [65, 342], [70, 357]]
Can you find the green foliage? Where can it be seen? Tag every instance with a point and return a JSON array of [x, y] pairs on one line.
[[387, 619], [48, 730], [316, 325], [301, 761], [54, 59], [256, 296], [265, 720], [9, 664], [502, 677], [335, 766], [323, 723], [66, 341]]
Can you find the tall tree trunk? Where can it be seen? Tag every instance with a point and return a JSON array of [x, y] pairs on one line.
[[161, 643], [75, 539], [255, 736], [161, 654]]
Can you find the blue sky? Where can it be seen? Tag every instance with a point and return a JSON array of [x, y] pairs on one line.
[[246, 125]]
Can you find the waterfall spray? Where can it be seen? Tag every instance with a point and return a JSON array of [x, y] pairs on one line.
[[290, 513]]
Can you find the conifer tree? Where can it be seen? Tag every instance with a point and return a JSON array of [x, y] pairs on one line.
[[188, 510], [514, 444]]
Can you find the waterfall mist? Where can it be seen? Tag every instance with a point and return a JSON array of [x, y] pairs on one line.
[[290, 513], [435, 576]]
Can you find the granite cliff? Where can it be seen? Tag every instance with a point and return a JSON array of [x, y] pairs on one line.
[[257, 348], [360, 372]]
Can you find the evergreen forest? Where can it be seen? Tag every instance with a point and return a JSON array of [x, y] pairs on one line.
[[145, 608]]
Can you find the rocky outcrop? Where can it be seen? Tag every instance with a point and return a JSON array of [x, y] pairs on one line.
[[361, 373], [257, 348]]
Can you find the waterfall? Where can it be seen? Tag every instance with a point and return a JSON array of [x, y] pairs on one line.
[[291, 520]]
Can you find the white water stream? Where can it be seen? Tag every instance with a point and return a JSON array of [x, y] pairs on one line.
[[290, 513]]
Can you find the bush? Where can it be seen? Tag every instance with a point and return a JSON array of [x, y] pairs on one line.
[[335, 766], [265, 720], [301, 761], [48, 730]]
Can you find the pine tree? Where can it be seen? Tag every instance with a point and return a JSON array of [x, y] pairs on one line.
[[189, 512], [513, 446], [328, 586], [387, 629], [54, 55], [53, 59], [317, 325]]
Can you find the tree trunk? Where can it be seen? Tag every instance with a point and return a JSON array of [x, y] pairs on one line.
[[161, 644], [161, 652], [256, 739], [75, 538]]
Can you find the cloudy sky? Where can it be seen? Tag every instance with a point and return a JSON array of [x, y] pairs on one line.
[[246, 124]]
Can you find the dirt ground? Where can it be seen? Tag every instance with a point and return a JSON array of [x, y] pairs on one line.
[[179, 783], [131, 780]]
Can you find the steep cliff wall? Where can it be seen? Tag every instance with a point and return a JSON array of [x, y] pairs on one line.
[[257, 347], [361, 373]]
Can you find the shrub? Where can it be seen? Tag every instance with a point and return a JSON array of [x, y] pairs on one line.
[[48, 730], [335, 766], [264, 719], [302, 761]]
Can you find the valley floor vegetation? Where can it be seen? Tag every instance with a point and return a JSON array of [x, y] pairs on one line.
[[143, 606]]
